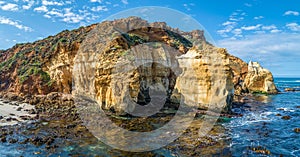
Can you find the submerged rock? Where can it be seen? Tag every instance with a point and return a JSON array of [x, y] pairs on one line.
[[286, 117], [297, 130], [261, 150], [291, 89]]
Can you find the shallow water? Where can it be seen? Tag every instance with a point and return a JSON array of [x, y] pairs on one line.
[[261, 126]]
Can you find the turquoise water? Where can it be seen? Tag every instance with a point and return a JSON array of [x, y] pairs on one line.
[[261, 125]]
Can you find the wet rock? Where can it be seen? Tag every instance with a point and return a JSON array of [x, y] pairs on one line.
[[49, 141], [25, 141], [3, 139], [70, 126], [32, 111], [278, 115], [25, 117], [261, 150], [37, 153], [9, 119], [297, 130], [290, 89], [286, 117], [37, 141], [12, 141]]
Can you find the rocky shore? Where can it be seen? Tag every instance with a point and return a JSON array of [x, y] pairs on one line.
[[54, 124], [37, 80]]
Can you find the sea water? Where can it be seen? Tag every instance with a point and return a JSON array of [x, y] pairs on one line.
[[261, 125]]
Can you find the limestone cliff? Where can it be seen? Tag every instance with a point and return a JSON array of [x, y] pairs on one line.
[[171, 62], [145, 60]]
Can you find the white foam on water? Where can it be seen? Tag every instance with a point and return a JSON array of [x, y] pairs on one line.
[[9, 110], [288, 81]]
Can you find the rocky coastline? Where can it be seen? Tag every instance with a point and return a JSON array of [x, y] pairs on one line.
[[45, 82]]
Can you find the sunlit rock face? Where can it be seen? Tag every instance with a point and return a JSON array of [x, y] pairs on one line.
[[206, 79], [177, 66], [144, 63], [259, 80]]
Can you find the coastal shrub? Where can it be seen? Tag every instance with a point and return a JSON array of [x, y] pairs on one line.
[[6, 65]]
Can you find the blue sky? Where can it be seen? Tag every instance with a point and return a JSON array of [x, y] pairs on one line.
[[259, 30]]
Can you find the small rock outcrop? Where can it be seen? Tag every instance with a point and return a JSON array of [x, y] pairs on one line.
[[259, 80], [291, 89]]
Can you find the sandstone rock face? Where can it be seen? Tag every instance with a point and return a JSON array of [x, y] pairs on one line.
[[174, 64], [145, 62], [259, 80], [239, 69]]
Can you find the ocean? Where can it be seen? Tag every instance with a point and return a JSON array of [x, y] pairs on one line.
[[262, 127], [262, 124]]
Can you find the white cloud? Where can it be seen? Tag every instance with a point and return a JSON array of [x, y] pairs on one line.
[[71, 17], [259, 44], [99, 8], [41, 9], [248, 5], [258, 17], [45, 2], [227, 29], [293, 26], [270, 27], [277, 52], [2, 2], [251, 28], [47, 16], [238, 15], [10, 7], [124, 1], [295, 13], [93, 1], [237, 32], [16, 24], [55, 12], [229, 23], [28, 6], [275, 31]]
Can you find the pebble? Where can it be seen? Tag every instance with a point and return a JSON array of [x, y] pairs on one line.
[[19, 108]]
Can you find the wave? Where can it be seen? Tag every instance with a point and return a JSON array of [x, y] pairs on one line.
[[289, 81]]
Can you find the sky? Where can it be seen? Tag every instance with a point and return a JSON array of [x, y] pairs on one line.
[[259, 30]]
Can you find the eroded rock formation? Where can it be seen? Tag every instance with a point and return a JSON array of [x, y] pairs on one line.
[[158, 58], [259, 80], [151, 61]]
